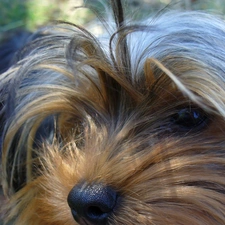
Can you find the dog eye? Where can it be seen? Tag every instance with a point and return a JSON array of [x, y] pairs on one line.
[[190, 118]]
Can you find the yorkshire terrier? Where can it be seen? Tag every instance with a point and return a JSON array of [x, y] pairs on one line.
[[121, 128]]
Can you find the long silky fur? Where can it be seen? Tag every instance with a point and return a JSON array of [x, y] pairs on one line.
[[76, 109]]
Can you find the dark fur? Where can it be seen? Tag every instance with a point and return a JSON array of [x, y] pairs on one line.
[[123, 128]]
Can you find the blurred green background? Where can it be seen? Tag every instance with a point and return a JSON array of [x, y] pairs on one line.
[[31, 14]]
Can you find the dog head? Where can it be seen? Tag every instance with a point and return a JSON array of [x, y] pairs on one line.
[[120, 132]]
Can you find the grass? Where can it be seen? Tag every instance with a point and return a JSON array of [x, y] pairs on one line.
[[12, 14]]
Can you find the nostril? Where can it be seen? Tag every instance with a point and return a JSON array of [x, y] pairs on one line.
[[93, 203], [95, 212]]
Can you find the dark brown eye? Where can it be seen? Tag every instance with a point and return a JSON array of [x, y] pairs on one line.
[[190, 118]]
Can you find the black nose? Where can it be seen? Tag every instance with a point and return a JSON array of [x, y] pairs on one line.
[[92, 203]]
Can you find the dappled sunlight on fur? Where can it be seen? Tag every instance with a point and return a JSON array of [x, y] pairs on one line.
[[126, 128]]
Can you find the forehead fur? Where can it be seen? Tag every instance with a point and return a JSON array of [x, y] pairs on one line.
[[68, 74]]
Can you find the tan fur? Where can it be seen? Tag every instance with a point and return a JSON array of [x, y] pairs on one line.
[[111, 124]]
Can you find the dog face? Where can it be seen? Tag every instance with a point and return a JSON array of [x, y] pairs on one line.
[[121, 132]]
